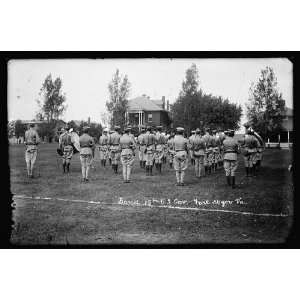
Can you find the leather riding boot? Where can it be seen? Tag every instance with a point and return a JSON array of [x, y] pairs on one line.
[[64, 167], [228, 180], [233, 182]]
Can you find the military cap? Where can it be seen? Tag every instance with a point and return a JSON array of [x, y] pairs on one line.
[[193, 131], [197, 130], [105, 130], [148, 127], [159, 127], [214, 131], [127, 129], [117, 127], [180, 129]]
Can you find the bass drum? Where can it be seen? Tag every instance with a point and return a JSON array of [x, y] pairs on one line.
[[75, 142]]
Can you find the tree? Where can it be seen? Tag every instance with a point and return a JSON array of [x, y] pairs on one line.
[[20, 129], [94, 131], [11, 129], [119, 89], [193, 108], [266, 108], [53, 105]]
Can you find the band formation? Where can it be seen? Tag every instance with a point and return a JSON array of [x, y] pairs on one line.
[[207, 150]]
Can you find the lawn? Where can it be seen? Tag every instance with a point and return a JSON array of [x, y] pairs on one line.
[[206, 210]]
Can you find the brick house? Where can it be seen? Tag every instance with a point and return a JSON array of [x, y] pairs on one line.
[[143, 111]]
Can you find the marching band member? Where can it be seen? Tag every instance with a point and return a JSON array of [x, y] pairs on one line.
[[86, 153], [141, 148], [159, 148], [114, 142], [66, 146], [31, 141], [249, 144], [103, 147], [190, 143], [231, 150], [171, 151], [198, 149], [180, 144], [149, 141], [127, 145]]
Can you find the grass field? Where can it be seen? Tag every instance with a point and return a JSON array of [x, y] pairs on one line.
[[54, 221]]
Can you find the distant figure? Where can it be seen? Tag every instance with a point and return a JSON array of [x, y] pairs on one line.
[[250, 145], [127, 144], [66, 146], [103, 147], [198, 152], [114, 142], [31, 141], [86, 153], [171, 151], [149, 141], [141, 148], [231, 150], [191, 138], [208, 158], [180, 144], [159, 148]]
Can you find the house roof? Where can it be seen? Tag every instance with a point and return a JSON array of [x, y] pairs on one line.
[[144, 103]]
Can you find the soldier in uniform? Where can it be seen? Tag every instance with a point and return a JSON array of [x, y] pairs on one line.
[[109, 151], [190, 144], [171, 151], [221, 137], [141, 148], [86, 154], [198, 149], [216, 150], [114, 142], [159, 148], [249, 144], [208, 152], [231, 150], [180, 144], [103, 147], [260, 149], [149, 141], [164, 158], [66, 146], [31, 141], [127, 144]]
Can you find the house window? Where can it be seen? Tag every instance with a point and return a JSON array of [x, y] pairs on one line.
[[149, 117]]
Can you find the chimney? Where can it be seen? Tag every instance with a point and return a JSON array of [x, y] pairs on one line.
[[168, 105], [164, 102], [89, 120]]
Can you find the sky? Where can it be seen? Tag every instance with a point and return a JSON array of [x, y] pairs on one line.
[[85, 81]]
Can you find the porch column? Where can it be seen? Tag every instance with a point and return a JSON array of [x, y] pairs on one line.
[[289, 138]]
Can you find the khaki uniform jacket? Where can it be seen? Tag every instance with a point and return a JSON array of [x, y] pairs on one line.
[[231, 148], [149, 139], [114, 138], [86, 144], [180, 143]]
